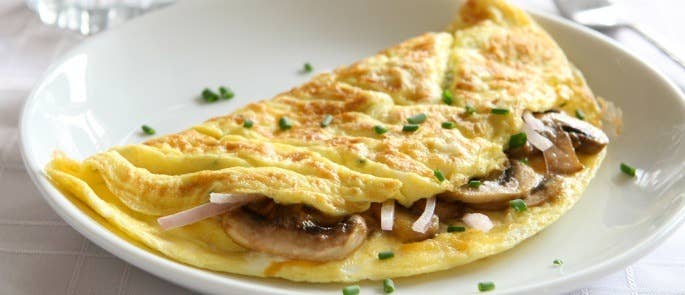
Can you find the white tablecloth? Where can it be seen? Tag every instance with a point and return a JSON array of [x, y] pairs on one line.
[[40, 254]]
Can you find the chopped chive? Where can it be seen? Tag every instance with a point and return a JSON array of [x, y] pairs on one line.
[[248, 124], [361, 161], [447, 97], [385, 255], [439, 175], [469, 109], [474, 183], [380, 129], [517, 140], [563, 104], [326, 120], [448, 125], [388, 286], [307, 68], [486, 286], [518, 205], [455, 228], [524, 161], [209, 95], [558, 262], [284, 123], [410, 127], [351, 290], [628, 170], [147, 130], [417, 119], [580, 114], [226, 93], [499, 111]]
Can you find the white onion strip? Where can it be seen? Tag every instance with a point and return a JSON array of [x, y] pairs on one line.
[[219, 204], [219, 198], [193, 215], [388, 214], [536, 139], [478, 221], [533, 122], [421, 225]]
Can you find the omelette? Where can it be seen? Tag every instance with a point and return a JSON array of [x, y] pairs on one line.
[[444, 149]]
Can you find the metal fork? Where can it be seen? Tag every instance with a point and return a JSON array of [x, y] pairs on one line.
[[606, 14]]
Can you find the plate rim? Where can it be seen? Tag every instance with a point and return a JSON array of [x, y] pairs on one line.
[[193, 278]]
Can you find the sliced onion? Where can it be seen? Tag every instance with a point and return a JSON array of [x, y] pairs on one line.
[[193, 215], [532, 128], [536, 139], [219, 204], [387, 214], [219, 198], [478, 221], [533, 122], [421, 225]]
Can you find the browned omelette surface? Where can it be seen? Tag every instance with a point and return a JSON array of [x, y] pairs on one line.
[[493, 56]]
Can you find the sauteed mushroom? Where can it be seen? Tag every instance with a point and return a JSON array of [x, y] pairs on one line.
[[515, 182], [296, 235], [586, 138]]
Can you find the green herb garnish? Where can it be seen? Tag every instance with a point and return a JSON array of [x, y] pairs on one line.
[[226, 93], [326, 120], [518, 205], [248, 123], [486, 286], [558, 262], [147, 130], [388, 286], [456, 228], [438, 175], [380, 129], [284, 123], [410, 127], [351, 290], [474, 183], [448, 125], [524, 161], [469, 109], [307, 68], [628, 170], [499, 111], [447, 97], [385, 255], [209, 96], [417, 119], [517, 140], [580, 114]]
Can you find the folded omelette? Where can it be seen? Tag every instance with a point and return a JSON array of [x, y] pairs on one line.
[[441, 150]]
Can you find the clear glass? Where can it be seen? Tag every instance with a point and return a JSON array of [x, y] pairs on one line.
[[91, 16]]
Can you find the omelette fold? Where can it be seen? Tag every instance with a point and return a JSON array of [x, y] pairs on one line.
[[444, 149]]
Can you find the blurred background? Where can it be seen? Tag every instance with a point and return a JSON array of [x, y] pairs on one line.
[[47, 256]]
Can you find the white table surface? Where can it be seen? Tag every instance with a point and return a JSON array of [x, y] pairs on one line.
[[40, 254]]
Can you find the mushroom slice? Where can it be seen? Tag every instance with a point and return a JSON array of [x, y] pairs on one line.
[[445, 208], [514, 183], [305, 240], [404, 220], [586, 138], [561, 158], [550, 187], [547, 188]]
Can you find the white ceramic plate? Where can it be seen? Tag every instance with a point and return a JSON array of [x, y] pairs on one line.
[[152, 70]]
